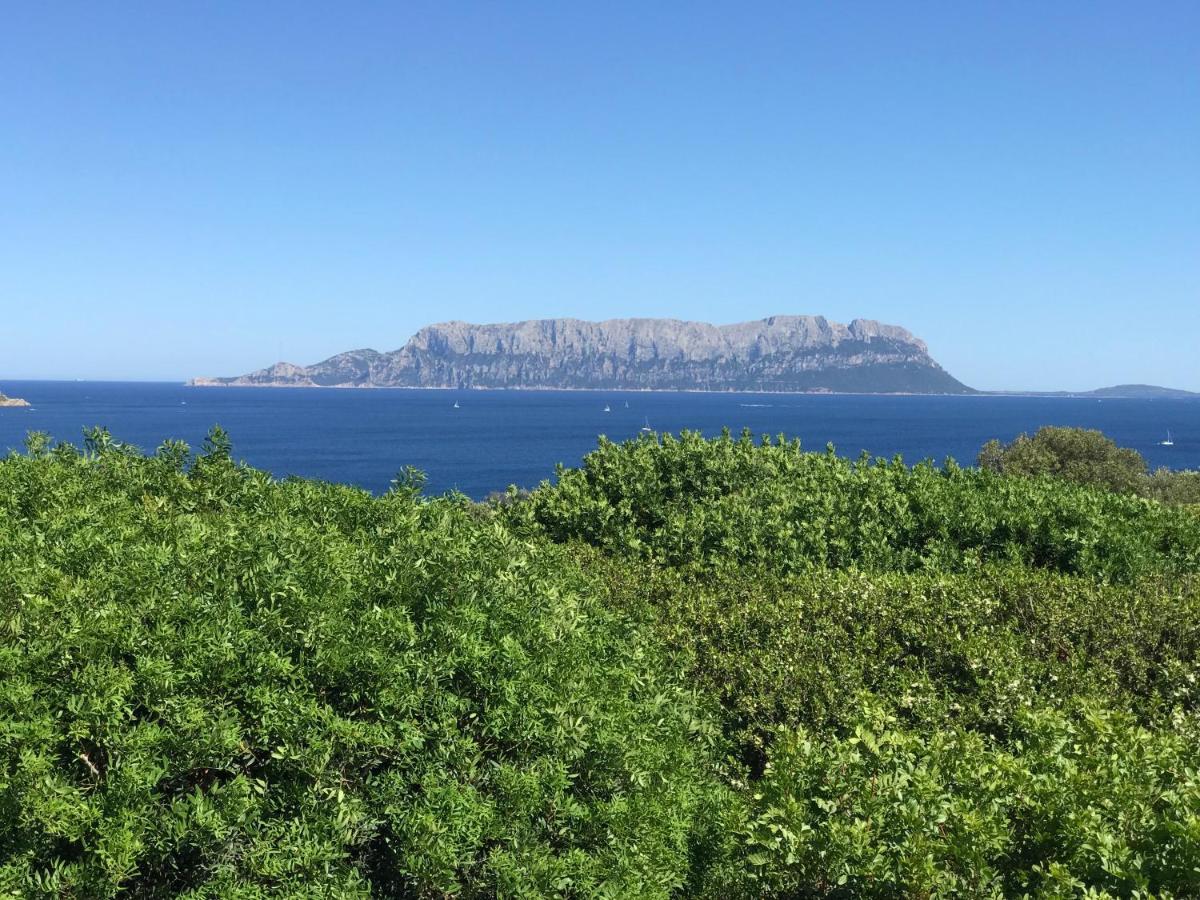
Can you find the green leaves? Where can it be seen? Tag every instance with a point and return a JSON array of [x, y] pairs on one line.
[[691, 668], [931, 682], [217, 685], [1088, 457], [1087, 798], [725, 503]]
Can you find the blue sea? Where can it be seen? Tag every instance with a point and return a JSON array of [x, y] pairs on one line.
[[497, 438]]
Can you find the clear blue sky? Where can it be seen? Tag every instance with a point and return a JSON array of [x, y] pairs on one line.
[[205, 188]]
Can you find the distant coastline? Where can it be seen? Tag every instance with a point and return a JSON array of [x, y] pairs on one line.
[[1115, 392], [1152, 392], [213, 383]]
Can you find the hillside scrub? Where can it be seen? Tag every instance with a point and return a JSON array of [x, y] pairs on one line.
[[932, 682], [935, 649], [1086, 805], [690, 668], [1001, 733], [731, 502], [217, 685]]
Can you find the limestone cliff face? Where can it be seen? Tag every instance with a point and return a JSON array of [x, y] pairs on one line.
[[782, 353], [12, 401]]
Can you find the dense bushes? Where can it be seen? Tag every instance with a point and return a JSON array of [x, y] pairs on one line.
[[691, 668], [731, 502], [1081, 455], [936, 650], [1090, 802], [980, 734], [217, 685], [1170, 486], [932, 682], [986, 734]]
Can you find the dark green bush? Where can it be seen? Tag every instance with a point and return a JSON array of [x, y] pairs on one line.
[[936, 650], [215, 685], [1081, 455], [932, 682], [1089, 458], [1004, 733], [1169, 486]]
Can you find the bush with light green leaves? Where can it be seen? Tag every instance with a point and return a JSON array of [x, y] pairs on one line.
[[217, 685], [730, 502], [1089, 804]]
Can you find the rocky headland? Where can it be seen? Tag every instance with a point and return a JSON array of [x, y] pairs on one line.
[[781, 353]]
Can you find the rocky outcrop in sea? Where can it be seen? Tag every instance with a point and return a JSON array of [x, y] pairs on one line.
[[781, 353]]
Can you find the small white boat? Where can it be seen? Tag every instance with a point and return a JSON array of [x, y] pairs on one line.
[[606, 408], [456, 406], [1168, 442], [646, 429], [627, 404]]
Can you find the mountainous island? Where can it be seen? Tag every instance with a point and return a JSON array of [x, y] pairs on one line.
[[780, 353], [12, 401]]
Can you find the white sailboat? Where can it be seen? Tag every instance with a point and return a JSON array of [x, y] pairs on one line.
[[456, 404], [646, 429], [1168, 442], [606, 408]]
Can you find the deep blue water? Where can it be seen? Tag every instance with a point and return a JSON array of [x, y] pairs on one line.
[[497, 438]]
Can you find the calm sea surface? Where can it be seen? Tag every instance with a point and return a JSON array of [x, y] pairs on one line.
[[498, 438]]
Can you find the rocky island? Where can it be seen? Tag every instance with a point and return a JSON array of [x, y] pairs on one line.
[[780, 353], [12, 401]]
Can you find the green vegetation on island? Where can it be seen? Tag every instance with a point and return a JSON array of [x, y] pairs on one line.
[[689, 668]]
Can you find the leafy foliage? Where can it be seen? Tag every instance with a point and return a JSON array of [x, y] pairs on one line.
[[932, 682], [937, 650], [1081, 455], [696, 668], [215, 685], [1088, 457], [731, 502], [913, 734], [1171, 486], [1084, 803]]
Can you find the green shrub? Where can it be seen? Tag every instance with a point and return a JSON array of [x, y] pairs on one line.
[[1025, 650], [1089, 458], [1169, 486], [1081, 455], [971, 650], [1083, 805], [729, 502], [691, 668], [216, 685]]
